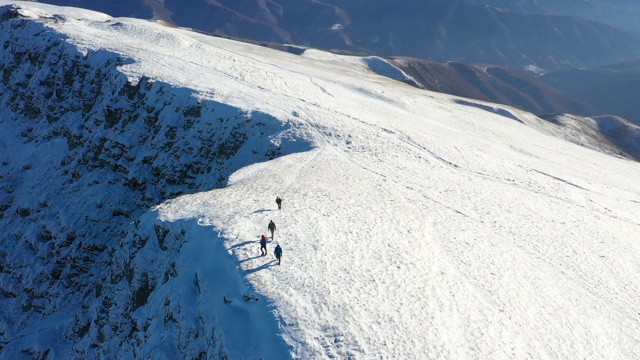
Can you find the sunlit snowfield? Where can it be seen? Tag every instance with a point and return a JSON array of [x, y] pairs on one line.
[[414, 225]]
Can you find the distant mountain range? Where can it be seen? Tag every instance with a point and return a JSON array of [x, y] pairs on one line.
[[520, 39], [549, 35], [624, 14], [611, 89], [498, 84]]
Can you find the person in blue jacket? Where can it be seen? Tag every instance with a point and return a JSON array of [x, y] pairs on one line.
[[278, 252]]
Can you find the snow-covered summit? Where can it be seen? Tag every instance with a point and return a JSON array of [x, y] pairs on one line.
[[139, 166]]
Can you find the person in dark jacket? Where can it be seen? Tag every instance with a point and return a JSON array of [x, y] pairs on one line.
[[279, 202], [263, 245], [278, 252], [271, 228]]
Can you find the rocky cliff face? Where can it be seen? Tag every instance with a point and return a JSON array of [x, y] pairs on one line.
[[84, 152]]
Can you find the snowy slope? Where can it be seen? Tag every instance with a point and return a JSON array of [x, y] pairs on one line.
[[609, 134], [414, 225]]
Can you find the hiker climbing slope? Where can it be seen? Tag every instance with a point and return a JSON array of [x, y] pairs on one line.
[[263, 245], [272, 228], [278, 253]]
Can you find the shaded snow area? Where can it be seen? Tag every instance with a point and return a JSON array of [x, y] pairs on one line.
[[139, 166], [376, 64]]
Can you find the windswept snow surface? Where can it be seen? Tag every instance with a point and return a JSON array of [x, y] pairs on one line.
[[416, 228]]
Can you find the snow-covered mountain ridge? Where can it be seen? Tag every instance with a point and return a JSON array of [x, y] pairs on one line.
[[415, 225], [85, 152]]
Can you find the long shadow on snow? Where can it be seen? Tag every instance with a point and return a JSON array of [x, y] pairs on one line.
[[492, 109], [251, 258], [261, 267], [243, 244], [261, 211]]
